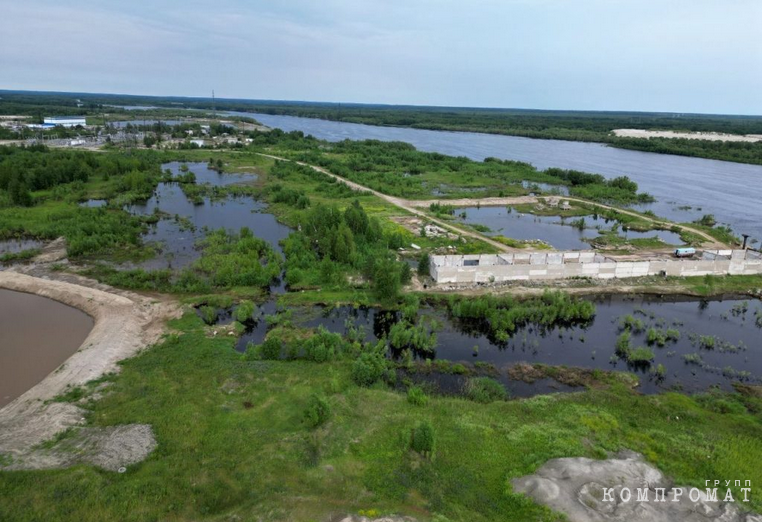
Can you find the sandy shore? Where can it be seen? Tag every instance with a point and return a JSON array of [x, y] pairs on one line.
[[709, 136], [124, 323]]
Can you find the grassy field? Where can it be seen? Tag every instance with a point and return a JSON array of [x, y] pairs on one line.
[[234, 443]]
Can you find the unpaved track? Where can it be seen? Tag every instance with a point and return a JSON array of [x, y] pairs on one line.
[[520, 200], [413, 207], [124, 323], [404, 204]]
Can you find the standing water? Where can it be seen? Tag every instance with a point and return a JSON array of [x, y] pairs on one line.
[[685, 187], [38, 334]]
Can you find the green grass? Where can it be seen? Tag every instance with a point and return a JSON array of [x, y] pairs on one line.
[[233, 442]]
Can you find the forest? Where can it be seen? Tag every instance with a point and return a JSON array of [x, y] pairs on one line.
[[590, 126]]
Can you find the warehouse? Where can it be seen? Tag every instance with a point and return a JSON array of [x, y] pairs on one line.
[[65, 121], [543, 265]]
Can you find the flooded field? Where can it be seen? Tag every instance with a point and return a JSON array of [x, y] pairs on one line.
[[711, 343], [682, 185], [11, 246], [37, 335], [177, 234], [556, 231]]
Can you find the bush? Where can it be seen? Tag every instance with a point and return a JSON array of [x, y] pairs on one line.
[[485, 390], [423, 265], [271, 349], [423, 439], [416, 396], [640, 355], [623, 344], [368, 368], [245, 311], [317, 413], [208, 314]]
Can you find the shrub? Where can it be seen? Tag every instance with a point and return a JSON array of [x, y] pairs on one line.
[[322, 346], [423, 264], [423, 439], [368, 368], [623, 344], [416, 396], [271, 349], [208, 314], [317, 412], [485, 390], [640, 355], [707, 342], [655, 336], [245, 311]]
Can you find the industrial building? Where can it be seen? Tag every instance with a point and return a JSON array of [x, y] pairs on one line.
[[65, 121], [536, 266]]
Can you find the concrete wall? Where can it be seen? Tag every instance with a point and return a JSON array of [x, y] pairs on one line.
[[562, 265]]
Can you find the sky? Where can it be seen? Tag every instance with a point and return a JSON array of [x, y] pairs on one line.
[[647, 55]]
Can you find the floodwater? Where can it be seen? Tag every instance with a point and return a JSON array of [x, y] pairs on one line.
[[94, 203], [734, 324], [36, 335], [12, 246], [730, 191], [554, 230], [178, 237]]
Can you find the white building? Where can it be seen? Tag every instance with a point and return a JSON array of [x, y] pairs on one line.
[[65, 121]]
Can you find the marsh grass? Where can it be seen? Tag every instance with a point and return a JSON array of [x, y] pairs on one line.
[[218, 458]]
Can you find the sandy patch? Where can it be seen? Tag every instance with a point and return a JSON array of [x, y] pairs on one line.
[[125, 323], [709, 136], [574, 486]]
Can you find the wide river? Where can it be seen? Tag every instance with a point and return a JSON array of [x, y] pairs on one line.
[[730, 191]]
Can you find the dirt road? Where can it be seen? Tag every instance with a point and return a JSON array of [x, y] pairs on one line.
[[404, 204], [413, 207]]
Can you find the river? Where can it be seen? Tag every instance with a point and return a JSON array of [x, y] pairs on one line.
[[730, 191]]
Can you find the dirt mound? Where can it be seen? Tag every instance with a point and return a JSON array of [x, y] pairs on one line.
[[125, 323], [112, 448], [576, 486]]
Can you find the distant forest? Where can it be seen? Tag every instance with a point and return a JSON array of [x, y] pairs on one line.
[[563, 125]]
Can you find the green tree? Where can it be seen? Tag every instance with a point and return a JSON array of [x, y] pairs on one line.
[[422, 440], [424, 264]]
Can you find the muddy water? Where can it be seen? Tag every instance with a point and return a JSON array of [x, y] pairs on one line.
[[554, 230], [36, 335]]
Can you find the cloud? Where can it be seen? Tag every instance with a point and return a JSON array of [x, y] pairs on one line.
[[683, 55]]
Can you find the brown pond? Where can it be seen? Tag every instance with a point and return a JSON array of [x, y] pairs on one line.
[[36, 335]]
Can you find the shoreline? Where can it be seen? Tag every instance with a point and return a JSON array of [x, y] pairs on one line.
[[124, 324]]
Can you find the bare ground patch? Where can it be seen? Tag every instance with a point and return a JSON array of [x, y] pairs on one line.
[[124, 324]]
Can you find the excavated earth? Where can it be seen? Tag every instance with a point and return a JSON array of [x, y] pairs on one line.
[[575, 487], [124, 324]]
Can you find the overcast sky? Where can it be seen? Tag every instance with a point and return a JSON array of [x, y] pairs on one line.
[[663, 55]]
